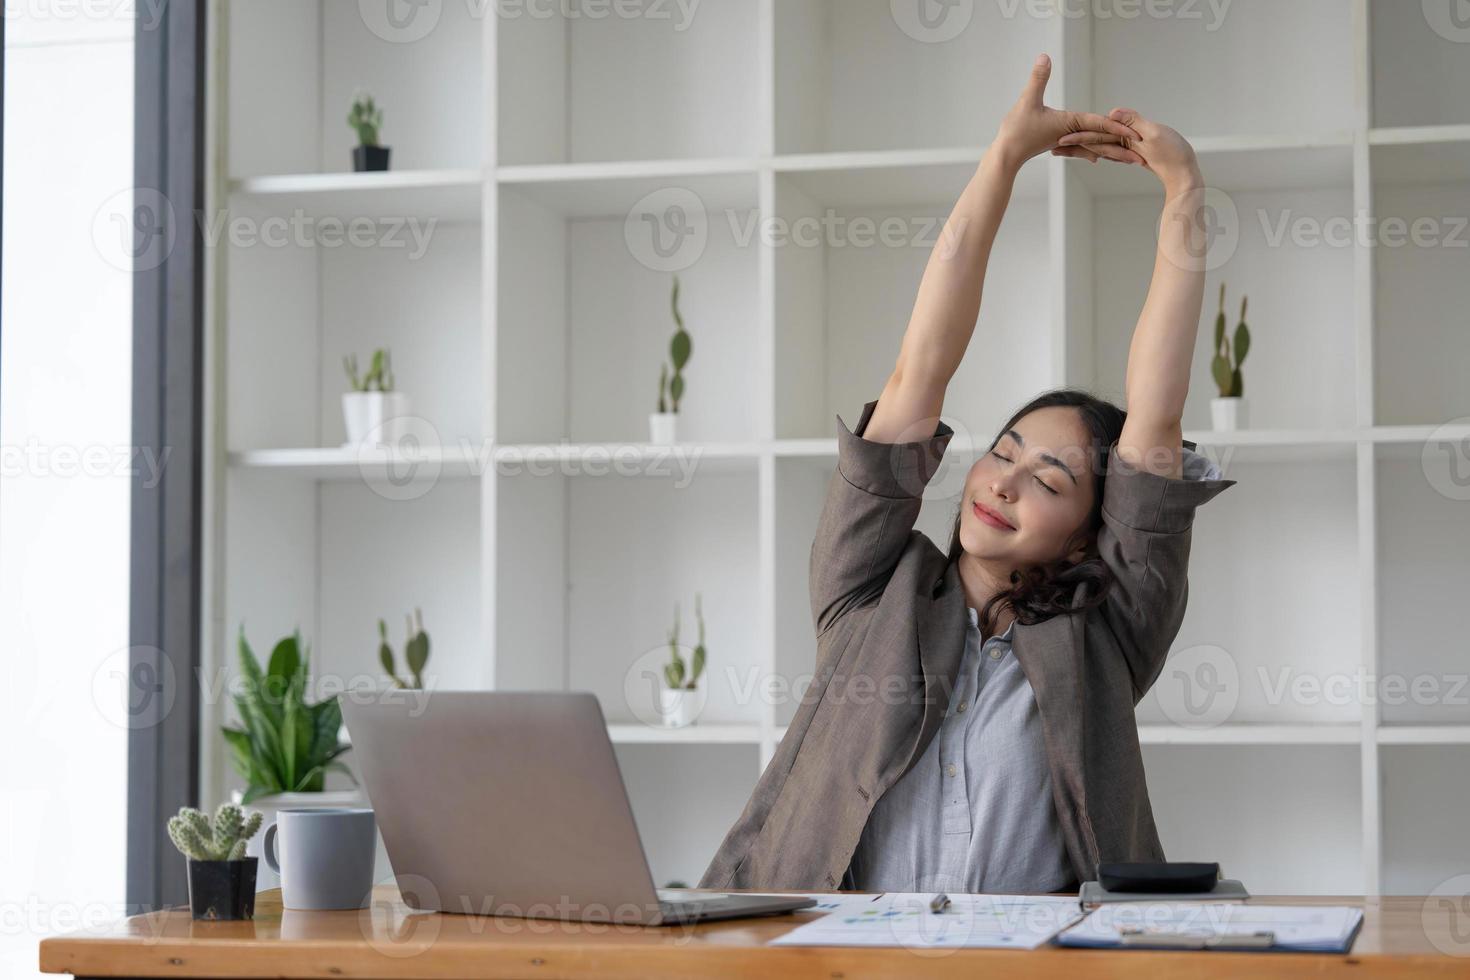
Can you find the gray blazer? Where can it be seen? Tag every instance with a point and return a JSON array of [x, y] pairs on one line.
[[889, 614]]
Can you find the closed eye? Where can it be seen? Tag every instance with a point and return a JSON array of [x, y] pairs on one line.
[[1038, 479]]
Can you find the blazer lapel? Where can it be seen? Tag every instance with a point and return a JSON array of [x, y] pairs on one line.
[[1050, 656]]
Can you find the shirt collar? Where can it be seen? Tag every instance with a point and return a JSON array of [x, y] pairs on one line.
[[975, 622]]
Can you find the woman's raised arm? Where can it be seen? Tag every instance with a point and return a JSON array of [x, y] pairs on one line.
[[948, 301], [1163, 341]]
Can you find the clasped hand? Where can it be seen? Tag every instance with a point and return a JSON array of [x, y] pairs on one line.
[[1123, 136]]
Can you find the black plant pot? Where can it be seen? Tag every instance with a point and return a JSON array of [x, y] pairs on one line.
[[370, 158], [222, 889]]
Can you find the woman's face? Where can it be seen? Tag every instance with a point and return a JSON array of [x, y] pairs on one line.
[[1038, 480]]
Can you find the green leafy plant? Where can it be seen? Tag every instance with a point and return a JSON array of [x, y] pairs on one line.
[[671, 388], [415, 651], [223, 839], [1227, 375], [365, 118], [379, 376], [284, 745], [675, 673]]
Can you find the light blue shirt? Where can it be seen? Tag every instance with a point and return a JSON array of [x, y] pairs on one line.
[[975, 814]]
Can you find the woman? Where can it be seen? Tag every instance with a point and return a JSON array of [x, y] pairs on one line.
[[970, 724]]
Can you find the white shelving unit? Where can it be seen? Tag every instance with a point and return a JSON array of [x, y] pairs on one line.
[[546, 543]]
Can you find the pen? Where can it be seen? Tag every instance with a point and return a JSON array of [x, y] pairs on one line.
[[939, 903]]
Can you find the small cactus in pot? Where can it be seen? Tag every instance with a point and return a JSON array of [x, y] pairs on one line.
[[221, 877], [1228, 410], [681, 699], [366, 120]]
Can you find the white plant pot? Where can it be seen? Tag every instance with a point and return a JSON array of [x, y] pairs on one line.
[[1228, 414], [680, 707], [374, 418], [663, 428], [269, 806]]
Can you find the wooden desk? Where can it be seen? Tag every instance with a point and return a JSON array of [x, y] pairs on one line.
[[389, 941]]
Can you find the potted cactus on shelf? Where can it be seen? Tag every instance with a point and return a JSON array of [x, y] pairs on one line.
[[1228, 411], [681, 700], [221, 876], [415, 652], [372, 412], [662, 427], [366, 119]]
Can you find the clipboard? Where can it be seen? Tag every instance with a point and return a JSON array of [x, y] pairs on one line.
[[1223, 926]]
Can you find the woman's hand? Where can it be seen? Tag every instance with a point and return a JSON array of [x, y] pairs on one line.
[[1031, 128], [1161, 149]]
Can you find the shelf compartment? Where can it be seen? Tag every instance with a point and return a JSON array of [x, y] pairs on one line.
[[846, 280], [298, 309], [1297, 78], [589, 570], [1301, 842], [585, 323], [1424, 789], [1423, 536], [1420, 68], [1272, 246], [711, 784], [1421, 195], [1279, 645], [577, 88], [836, 61], [294, 67]]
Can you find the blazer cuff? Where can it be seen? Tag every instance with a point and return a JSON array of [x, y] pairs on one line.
[[901, 469], [1149, 502]]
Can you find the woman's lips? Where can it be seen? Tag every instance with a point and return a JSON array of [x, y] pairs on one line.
[[991, 517]]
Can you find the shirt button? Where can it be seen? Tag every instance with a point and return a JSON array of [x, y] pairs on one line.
[[950, 770], [964, 705], [995, 653]]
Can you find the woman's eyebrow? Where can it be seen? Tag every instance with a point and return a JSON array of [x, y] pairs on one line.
[[1046, 457]]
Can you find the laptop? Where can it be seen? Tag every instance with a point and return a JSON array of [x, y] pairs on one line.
[[512, 803]]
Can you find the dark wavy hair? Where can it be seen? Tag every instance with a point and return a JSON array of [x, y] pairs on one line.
[[1039, 592]]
